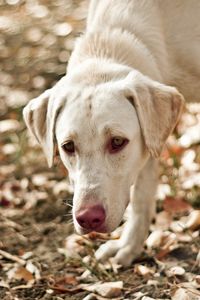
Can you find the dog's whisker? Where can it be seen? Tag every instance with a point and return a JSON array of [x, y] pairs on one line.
[[70, 223], [67, 215], [68, 204]]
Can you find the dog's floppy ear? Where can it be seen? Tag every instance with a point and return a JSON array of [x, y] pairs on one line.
[[158, 107], [40, 116]]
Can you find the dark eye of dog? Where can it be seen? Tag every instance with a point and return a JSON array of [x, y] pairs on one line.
[[117, 143], [69, 147]]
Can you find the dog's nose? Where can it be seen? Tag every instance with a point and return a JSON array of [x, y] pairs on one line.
[[91, 218]]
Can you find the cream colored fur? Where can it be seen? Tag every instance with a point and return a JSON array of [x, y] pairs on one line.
[[121, 81]]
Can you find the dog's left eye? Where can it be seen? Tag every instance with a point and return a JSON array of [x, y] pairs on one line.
[[69, 147], [117, 143]]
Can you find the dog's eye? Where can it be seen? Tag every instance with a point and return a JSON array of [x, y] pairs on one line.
[[117, 143], [69, 147]]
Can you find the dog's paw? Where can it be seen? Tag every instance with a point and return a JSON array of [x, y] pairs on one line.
[[123, 255]]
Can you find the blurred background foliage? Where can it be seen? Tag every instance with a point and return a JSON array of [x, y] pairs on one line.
[[36, 39]]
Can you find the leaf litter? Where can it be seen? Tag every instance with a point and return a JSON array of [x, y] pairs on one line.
[[40, 256]]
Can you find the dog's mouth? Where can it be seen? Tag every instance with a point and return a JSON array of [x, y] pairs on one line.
[[84, 231]]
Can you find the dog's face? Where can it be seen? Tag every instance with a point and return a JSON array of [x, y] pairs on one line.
[[104, 134], [101, 145]]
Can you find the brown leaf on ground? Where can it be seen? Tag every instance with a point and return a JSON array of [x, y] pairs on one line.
[[67, 283], [23, 273], [176, 205]]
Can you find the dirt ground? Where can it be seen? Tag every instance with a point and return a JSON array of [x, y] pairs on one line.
[[40, 257]]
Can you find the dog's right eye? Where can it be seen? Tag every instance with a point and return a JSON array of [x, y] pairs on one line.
[[69, 147], [116, 144]]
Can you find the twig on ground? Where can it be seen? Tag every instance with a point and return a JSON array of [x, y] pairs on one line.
[[12, 257]]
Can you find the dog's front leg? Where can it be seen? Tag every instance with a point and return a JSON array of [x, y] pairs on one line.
[[141, 212]]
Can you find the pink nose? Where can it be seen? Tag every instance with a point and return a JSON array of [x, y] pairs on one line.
[[91, 218]]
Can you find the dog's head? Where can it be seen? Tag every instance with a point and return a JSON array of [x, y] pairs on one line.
[[105, 133]]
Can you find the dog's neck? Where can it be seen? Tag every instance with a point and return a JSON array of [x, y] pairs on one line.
[[115, 47]]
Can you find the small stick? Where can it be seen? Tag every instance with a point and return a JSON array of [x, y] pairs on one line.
[[12, 257]]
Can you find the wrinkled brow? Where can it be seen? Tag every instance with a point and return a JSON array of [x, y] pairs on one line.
[[113, 130], [71, 136]]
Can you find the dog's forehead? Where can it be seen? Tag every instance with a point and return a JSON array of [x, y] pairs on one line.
[[93, 102], [94, 111]]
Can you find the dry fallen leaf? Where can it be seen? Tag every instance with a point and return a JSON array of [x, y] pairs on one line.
[[74, 245], [86, 276], [62, 186], [190, 137], [169, 243], [191, 181], [185, 291], [9, 126], [163, 220], [147, 298], [152, 282], [107, 289], [177, 226], [176, 205], [33, 269], [193, 220], [197, 279], [180, 294], [184, 237], [175, 271], [163, 190], [187, 160], [198, 261], [94, 296], [62, 29], [64, 282], [143, 270], [90, 297], [23, 273], [4, 284], [155, 239]]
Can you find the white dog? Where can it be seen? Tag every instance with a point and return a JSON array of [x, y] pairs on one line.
[[113, 111]]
